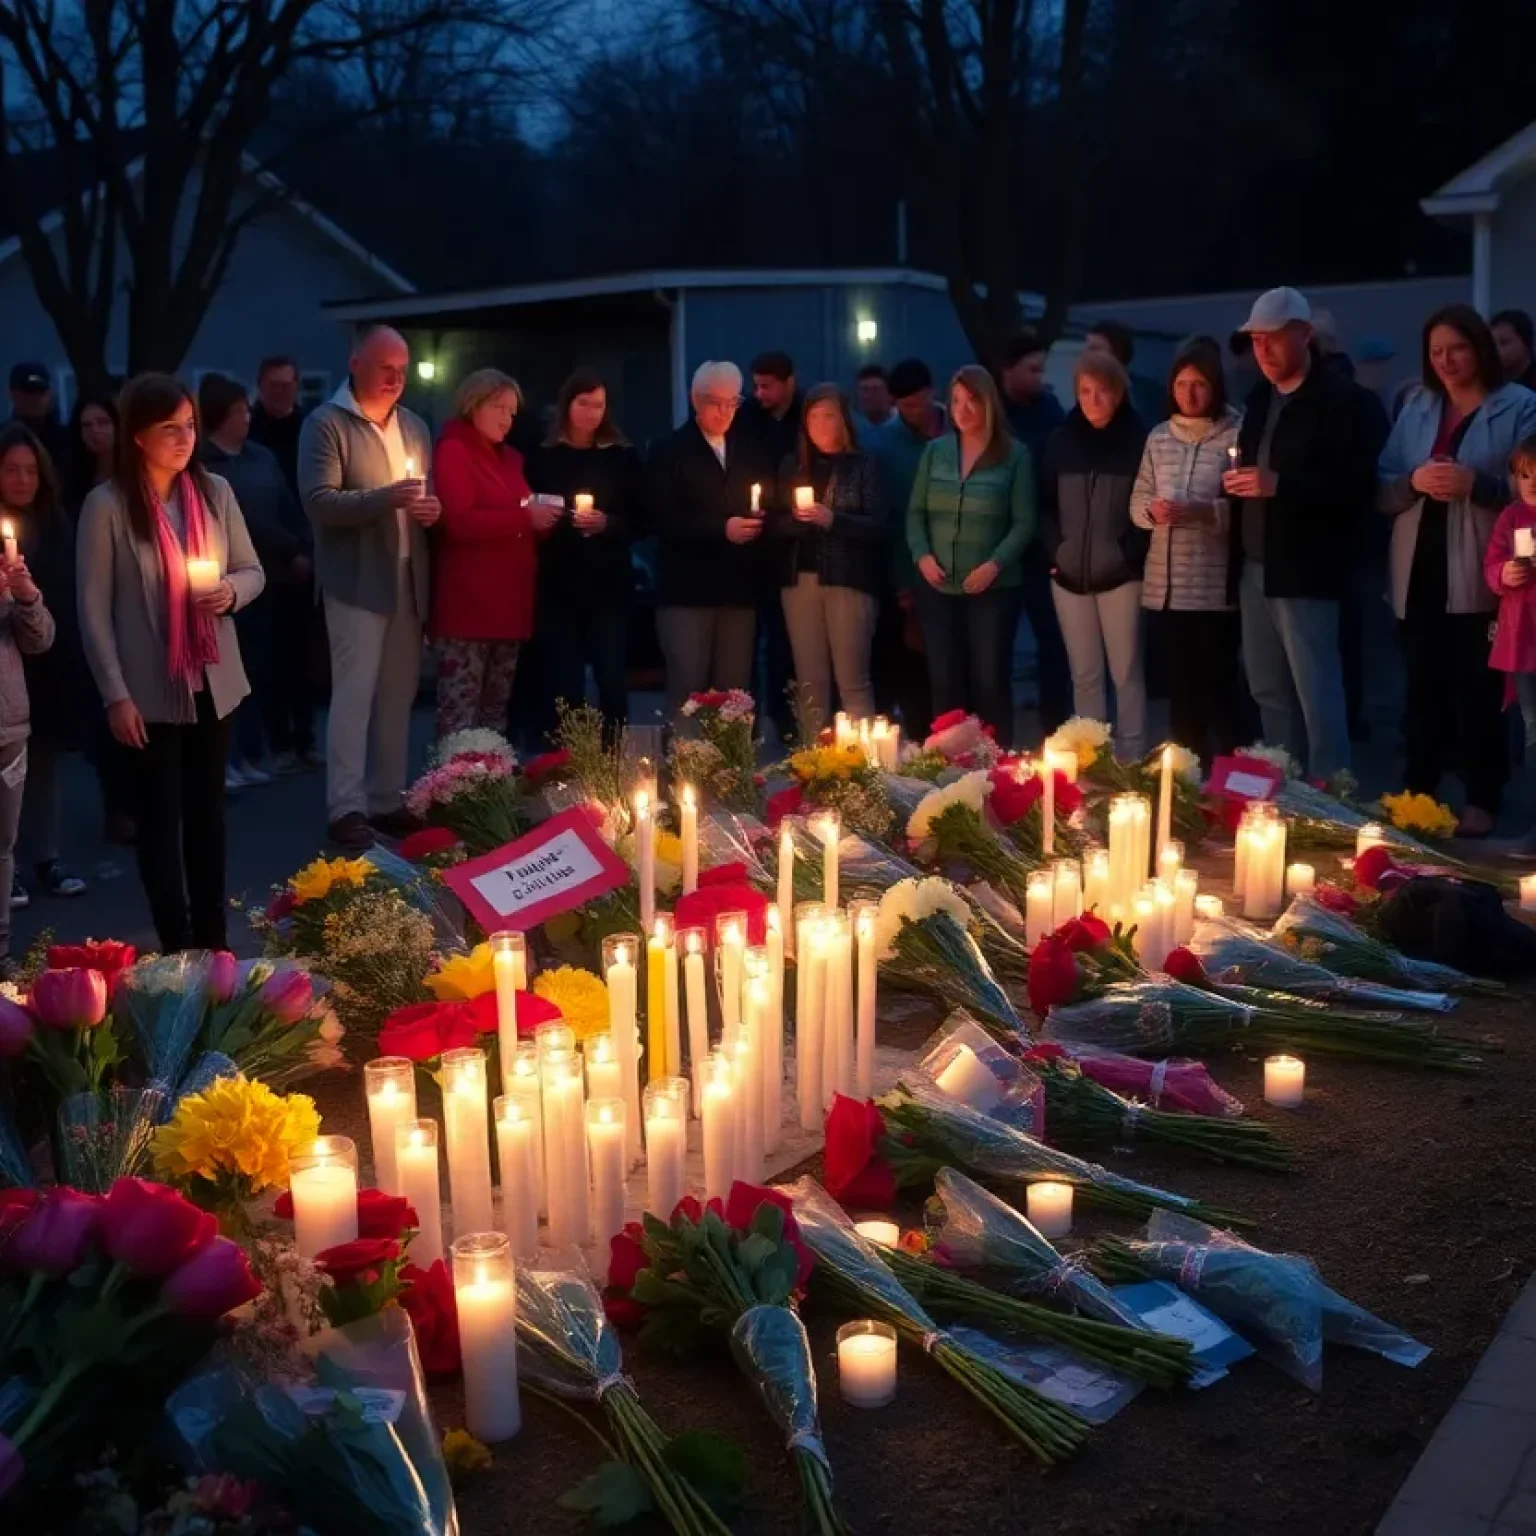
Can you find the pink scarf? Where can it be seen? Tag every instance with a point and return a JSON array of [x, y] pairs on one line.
[[191, 640]]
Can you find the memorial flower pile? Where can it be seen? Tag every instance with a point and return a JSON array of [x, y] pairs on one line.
[[953, 823], [838, 779], [475, 796], [722, 759]]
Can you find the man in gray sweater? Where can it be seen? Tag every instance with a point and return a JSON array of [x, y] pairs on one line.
[[363, 462]]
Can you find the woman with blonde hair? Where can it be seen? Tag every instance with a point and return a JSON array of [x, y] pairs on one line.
[[1096, 552], [970, 519], [485, 561]]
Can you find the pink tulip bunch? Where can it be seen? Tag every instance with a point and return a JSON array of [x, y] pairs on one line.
[[272, 1022], [57, 1026]]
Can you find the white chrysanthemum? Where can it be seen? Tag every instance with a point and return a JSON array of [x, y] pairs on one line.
[[475, 739], [1276, 755], [896, 904], [1083, 736], [935, 895], [1186, 765], [970, 789]]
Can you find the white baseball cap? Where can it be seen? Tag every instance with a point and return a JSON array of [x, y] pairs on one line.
[[1275, 310]]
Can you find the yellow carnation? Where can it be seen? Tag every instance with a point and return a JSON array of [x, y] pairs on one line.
[[317, 880], [462, 978], [464, 1455], [826, 763], [581, 997], [235, 1128], [1419, 813]]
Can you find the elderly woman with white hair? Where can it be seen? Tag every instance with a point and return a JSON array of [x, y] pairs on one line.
[[708, 520]]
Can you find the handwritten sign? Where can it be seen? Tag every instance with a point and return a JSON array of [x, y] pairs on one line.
[[1244, 778], [557, 868]]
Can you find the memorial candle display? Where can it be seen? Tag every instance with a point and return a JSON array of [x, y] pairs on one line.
[[1130, 822], [645, 857], [692, 942], [1170, 860], [1039, 906], [862, 915], [842, 729], [390, 1084], [1300, 880], [666, 1144], [718, 1116], [1264, 870], [323, 1183], [520, 1081], [828, 827], [810, 1011], [509, 965], [688, 833], [605, 1156], [486, 1296], [663, 1045], [1285, 1079], [516, 1138], [621, 953], [967, 1078], [565, 1150], [730, 945], [604, 1080], [1050, 1208], [416, 1165], [467, 1136], [866, 1364]]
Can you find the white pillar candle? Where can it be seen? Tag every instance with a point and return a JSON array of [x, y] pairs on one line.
[[1525, 544], [1170, 860], [1528, 893], [749, 1056], [1142, 820], [520, 1081], [323, 1183], [604, 1079], [810, 1011], [828, 827], [390, 1083], [756, 503], [880, 736], [718, 1115], [516, 1140], [1186, 885], [866, 1364], [666, 1144], [416, 1163], [1167, 918], [1285, 1080], [582, 501], [1067, 891], [1165, 803], [805, 498], [773, 1035], [605, 1155], [486, 1293], [692, 941], [786, 891], [1209, 908], [565, 1143], [1039, 906], [1240, 847], [621, 954], [1049, 1206], [8, 533], [467, 1134], [1300, 880], [837, 1039], [842, 729], [967, 1078], [882, 1233], [509, 965], [1264, 881], [730, 945], [1371, 835], [862, 915], [202, 575], [1096, 880], [688, 819], [1148, 946], [1047, 803], [645, 857]]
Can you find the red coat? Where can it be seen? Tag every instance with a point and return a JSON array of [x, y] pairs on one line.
[[484, 558], [1514, 638]]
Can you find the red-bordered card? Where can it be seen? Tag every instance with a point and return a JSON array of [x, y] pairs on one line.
[[552, 870], [1244, 778]]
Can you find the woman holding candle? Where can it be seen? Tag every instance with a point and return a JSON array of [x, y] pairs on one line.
[[484, 560], [1096, 551], [970, 519], [1443, 477], [1190, 580], [584, 564], [167, 660], [830, 521]]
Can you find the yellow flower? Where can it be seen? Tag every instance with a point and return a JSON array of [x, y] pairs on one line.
[[316, 881], [826, 763], [462, 978], [1083, 735], [581, 997], [463, 1455], [1419, 813], [235, 1127]]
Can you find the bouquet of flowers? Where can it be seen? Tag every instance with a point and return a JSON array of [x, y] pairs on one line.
[[951, 823], [734, 1272], [1080, 959], [1279, 1297], [1171, 1083], [923, 940], [1102, 775], [1016, 807], [1410, 812], [475, 742], [840, 779], [856, 1276], [962, 741], [268, 1020], [568, 1348], [475, 796], [728, 768]]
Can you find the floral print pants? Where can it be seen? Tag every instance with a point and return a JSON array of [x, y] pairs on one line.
[[474, 684]]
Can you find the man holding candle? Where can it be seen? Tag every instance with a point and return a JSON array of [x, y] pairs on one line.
[[361, 461]]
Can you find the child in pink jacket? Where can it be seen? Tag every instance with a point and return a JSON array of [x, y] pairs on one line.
[[1509, 565]]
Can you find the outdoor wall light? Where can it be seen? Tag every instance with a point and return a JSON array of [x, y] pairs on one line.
[[426, 370], [867, 331]]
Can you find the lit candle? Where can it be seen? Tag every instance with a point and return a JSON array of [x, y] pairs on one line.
[[1264, 878], [484, 1289], [730, 942], [605, 1153], [880, 737], [582, 501], [1050, 1208], [805, 498], [692, 940], [1170, 860], [1047, 803], [467, 1132], [862, 916], [645, 858], [1301, 880], [565, 1151], [810, 1010], [323, 1183], [1165, 804], [718, 1114], [773, 1034], [509, 965], [828, 827], [416, 1163], [8, 533], [604, 1080], [757, 499], [1167, 904], [516, 1136], [966, 1077], [866, 1364], [390, 1084], [1066, 891], [1186, 885], [882, 1233], [842, 729], [202, 574], [1528, 893], [1285, 1080], [1147, 942], [663, 952], [867, 743], [786, 876], [1096, 880], [666, 1144], [1209, 908], [1234, 456], [1371, 835], [1525, 543], [1039, 906], [837, 1018], [621, 953], [749, 1076], [410, 467], [688, 816], [520, 1081]]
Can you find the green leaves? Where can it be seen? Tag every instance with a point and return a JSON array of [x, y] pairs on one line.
[[715, 1466], [613, 1495]]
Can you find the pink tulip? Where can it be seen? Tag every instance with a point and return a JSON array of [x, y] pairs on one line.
[[223, 976], [72, 999], [56, 1236], [151, 1228], [288, 995], [215, 1280], [15, 1028]]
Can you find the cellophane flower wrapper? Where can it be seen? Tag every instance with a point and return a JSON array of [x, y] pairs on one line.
[[1145, 1017], [426, 895], [771, 1350], [1172, 1083], [352, 1449], [565, 1342], [937, 955], [105, 1135], [1318, 819], [979, 1231], [206, 1070], [160, 1004], [1020, 1096], [905, 794]]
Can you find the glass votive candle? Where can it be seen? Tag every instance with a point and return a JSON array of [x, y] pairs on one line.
[[1371, 835], [551, 1038], [866, 1363], [323, 1182], [604, 1080], [509, 959], [1285, 1081], [1300, 880], [1049, 1207], [486, 1293], [879, 1231], [420, 1183], [665, 1106], [390, 1085]]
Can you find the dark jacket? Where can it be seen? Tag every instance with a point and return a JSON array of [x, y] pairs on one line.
[[65, 705], [764, 442], [593, 571], [276, 522], [851, 553], [279, 435], [1088, 536], [1032, 422], [1323, 453], [689, 497]]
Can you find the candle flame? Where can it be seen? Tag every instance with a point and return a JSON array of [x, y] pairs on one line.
[[7, 528], [418, 1138], [601, 1047], [695, 943], [775, 924], [689, 799], [621, 954], [642, 803], [662, 933], [605, 1114], [410, 467]]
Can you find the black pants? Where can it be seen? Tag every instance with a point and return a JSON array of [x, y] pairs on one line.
[[1454, 695], [1201, 653], [898, 669], [287, 692], [572, 637], [969, 639], [1053, 669], [180, 783]]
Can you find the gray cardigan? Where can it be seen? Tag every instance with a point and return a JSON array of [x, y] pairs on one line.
[[26, 629], [342, 467], [122, 606]]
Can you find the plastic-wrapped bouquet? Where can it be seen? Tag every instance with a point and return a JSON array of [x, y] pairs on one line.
[[1016, 807], [269, 1020], [1280, 1299], [1172, 1083], [952, 823], [721, 760], [475, 795], [961, 740], [840, 779]]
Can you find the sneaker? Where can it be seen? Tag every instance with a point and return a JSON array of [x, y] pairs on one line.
[[396, 823], [285, 764], [351, 833], [234, 780], [21, 897], [58, 879], [254, 777]]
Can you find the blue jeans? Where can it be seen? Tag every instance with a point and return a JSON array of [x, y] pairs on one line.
[[970, 652], [1295, 673]]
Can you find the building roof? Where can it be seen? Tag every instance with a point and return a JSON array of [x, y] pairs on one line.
[[1478, 188]]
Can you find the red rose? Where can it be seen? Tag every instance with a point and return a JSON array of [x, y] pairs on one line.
[[852, 1168], [946, 720], [711, 698], [430, 840], [690, 1208], [429, 1301], [1053, 975], [545, 764], [1184, 965], [1047, 1050], [380, 1214], [723, 874], [1336, 900], [743, 1203], [358, 1262], [532, 1010], [54, 1234], [215, 1280], [1373, 866], [1081, 934], [151, 1229], [712, 900], [1011, 796], [626, 1258], [786, 803], [109, 956], [423, 1031]]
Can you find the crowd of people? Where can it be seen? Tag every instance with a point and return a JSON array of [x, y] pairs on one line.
[[181, 575]]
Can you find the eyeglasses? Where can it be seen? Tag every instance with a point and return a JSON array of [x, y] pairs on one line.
[[721, 403]]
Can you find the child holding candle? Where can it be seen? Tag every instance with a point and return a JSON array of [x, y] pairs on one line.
[[1508, 565]]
